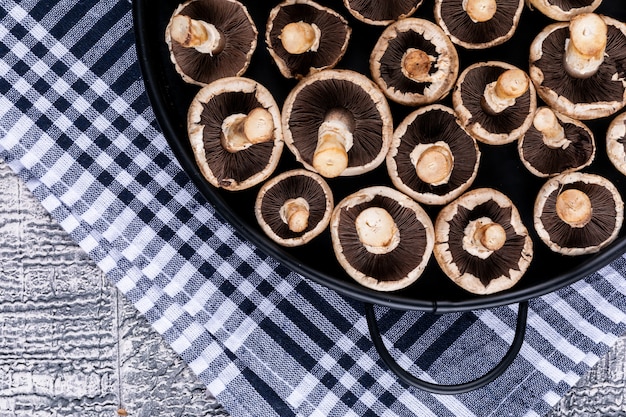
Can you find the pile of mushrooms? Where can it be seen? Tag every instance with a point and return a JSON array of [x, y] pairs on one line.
[[337, 123]]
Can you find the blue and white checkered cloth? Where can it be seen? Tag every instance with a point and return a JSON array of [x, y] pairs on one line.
[[76, 125]]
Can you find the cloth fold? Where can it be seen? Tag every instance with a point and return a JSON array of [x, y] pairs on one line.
[[76, 125]]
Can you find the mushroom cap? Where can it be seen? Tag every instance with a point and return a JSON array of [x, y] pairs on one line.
[[616, 142], [397, 268], [493, 129], [564, 10], [294, 184], [232, 20], [316, 95], [387, 56], [434, 125], [334, 36], [381, 13], [599, 95], [207, 112], [482, 271], [576, 153], [607, 214], [465, 32]]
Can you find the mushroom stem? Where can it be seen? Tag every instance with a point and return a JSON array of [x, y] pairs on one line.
[[240, 131], [480, 10], [501, 94], [334, 141], [295, 213], [416, 65], [584, 50], [546, 122], [491, 235], [434, 165], [198, 34], [574, 207], [377, 230], [300, 37]]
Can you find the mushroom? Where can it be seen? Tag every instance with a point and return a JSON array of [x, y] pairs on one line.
[[381, 237], [235, 132], [616, 142], [414, 62], [481, 242], [210, 39], [431, 158], [556, 144], [337, 122], [579, 67], [564, 9], [294, 207], [494, 101], [578, 213], [303, 37], [381, 13], [478, 24]]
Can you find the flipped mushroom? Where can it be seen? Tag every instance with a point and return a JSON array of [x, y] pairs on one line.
[[481, 242], [382, 13], [304, 37], [337, 122], [556, 144], [382, 238], [414, 62], [494, 101], [616, 142], [294, 207], [564, 9], [431, 158], [578, 213], [478, 24], [210, 39], [235, 132], [579, 67]]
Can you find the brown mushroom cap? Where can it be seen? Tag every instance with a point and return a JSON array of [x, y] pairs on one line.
[[564, 9], [330, 31], [481, 242], [482, 122], [578, 213], [338, 100], [548, 150], [207, 121], [597, 95], [616, 142], [362, 215], [414, 62], [381, 13], [292, 197], [473, 33], [432, 128]]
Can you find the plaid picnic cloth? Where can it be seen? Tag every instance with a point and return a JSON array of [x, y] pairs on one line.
[[76, 125]]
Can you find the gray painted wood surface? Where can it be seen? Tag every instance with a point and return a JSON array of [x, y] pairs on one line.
[[71, 345]]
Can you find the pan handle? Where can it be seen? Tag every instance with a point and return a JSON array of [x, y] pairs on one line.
[[434, 388]]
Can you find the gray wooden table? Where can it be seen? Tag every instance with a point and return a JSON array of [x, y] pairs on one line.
[[71, 345]]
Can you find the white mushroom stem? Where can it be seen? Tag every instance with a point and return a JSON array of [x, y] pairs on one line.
[[501, 94], [574, 207], [377, 230], [492, 236], [433, 165], [198, 34], [416, 65], [300, 37], [584, 50], [546, 122], [334, 141], [295, 213], [240, 131], [480, 10], [483, 236]]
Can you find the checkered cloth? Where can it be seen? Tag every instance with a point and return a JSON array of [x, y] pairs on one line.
[[76, 125]]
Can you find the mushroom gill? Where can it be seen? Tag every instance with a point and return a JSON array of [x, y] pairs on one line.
[[381, 12]]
